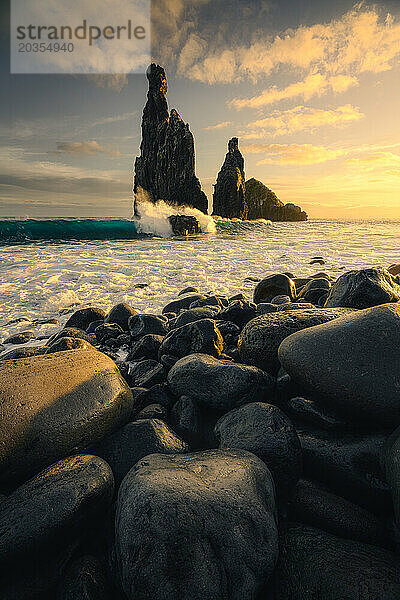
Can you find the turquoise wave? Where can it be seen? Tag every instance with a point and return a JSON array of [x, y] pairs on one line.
[[15, 231]]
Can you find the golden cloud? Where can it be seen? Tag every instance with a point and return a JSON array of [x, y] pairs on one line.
[[293, 154]]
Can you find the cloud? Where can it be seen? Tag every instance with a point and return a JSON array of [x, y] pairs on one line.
[[300, 118], [314, 84], [218, 126], [88, 148], [116, 81], [293, 154], [377, 162], [319, 59]]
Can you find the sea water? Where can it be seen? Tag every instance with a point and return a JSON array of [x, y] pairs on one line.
[[50, 268]]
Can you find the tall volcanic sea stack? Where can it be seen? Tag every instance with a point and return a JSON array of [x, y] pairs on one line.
[[230, 190], [166, 165]]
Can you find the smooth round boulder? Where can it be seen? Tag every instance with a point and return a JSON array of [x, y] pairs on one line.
[[24, 352], [260, 339], [71, 332], [196, 527], [147, 346], [394, 269], [185, 420], [239, 312], [219, 384], [391, 466], [266, 431], [68, 343], [84, 316], [54, 405], [20, 338], [316, 565], [200, 336], [176, 305], [274, 285], [188, 290], [313, 505], [124, 448], [120, 314], [351, 364], [364, 288], [195, 314], [41, 521], [145, 324]]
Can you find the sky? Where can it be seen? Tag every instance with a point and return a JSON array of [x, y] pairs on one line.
[[310, 87]]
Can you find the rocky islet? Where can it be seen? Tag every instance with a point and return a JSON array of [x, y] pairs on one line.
[[208, 452]]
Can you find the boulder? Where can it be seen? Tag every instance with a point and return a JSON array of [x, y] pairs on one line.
[[120, 314], [20, 338], [195, 314], [71, 332], [274, 285], [84, 316], [24, 352], [166, 165], [44, 519], [229, 198], [184, 224], [394, 270], [260, 339], [313, 505], [219, 384], [68, 343], [196, 526], [239, 312], [147, 346], [187, 290], [311, 412], [201, 336], [185, 420], [391, 466], [107, 331], [124, 448], [365, 288], [176, 305], [315, 564], [351, 364], [54, 405], [266, 431], [348, 463], [145, 324]]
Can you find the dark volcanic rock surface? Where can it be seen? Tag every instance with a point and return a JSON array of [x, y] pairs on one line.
[[263, 203], [229, 199], [196, 526], [166, 165], [54, 405], [351, 363], [266, 431], [200, 336], [319, 566], [219, 384], [365, 288]]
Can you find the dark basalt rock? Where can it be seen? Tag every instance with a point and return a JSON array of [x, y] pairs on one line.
[[185, 420], [84, 579], [229, 198], [84, 316], [267, 432], [144, 324], [195, 314], [315, 564], [147, 373], [260, 339], [281, 299], [146, 347], [319, 283], [391, 465], [217, 301], [153, 411], [263, 203], [166, 165], [184, 224], [106, 331], [20, 338], [176, 305], [124, 448], [365, 288], [68, 343], [313, 413], [351, 363], [187, 290], [41, 521], [348, 463], [200, 525], [219, 384], [313, 505], [201, 336], [54, 405], [239, 312], [71, 332], [120, 315], [272, 286]]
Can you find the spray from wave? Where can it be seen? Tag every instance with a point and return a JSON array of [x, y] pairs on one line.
[[153, 217]]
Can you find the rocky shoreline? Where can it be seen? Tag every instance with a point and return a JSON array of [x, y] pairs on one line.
[[226, 448]]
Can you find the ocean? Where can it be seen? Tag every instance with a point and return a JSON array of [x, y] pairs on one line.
[[49, 268]]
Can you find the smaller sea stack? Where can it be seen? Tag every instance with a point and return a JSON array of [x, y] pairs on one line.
[[230, 190]]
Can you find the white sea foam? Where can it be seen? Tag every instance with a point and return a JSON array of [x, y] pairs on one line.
[[153, 217], [44, 280]]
